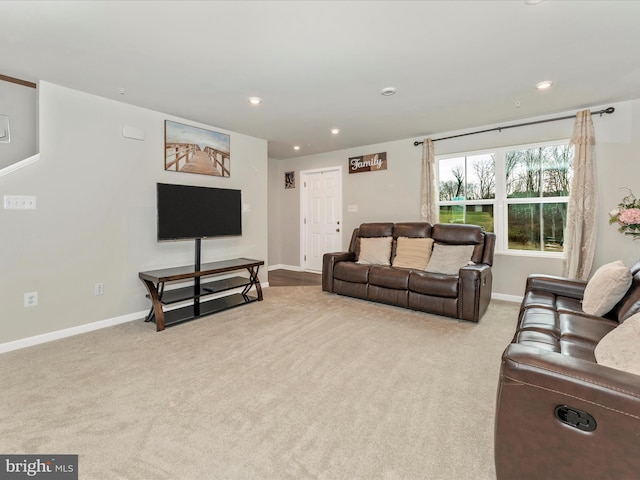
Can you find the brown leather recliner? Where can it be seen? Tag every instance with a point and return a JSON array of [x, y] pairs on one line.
[[465, 296], [559, 414]]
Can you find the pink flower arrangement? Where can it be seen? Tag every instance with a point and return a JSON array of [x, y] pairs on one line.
[[627, 216]]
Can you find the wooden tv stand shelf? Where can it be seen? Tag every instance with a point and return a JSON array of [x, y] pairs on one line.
[[155, 281]]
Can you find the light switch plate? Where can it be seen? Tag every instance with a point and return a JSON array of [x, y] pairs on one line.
[[5, 136], [20, 202]]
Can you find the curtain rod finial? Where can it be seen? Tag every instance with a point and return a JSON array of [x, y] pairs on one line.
[[415, 144]]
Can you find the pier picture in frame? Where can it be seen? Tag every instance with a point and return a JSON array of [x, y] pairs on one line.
[[196, 150]]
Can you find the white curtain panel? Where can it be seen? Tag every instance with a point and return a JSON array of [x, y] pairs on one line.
[[580, 237], [428, 187]]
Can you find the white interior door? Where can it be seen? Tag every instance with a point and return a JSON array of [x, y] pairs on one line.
[[321, 215]]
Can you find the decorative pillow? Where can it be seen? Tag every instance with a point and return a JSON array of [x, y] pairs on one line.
[[606, 288], [619, 348], [449, 259], [413, 252], [375, 251]]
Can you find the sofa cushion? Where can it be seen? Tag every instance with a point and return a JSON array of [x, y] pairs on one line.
[[434, 284], [630, 303], [412, 230], [449, 259], [539, 298], [572, 333], [375, 230], [351, 272], [541, 319], [619, 348], [606, 288], [460, 234], [375, 250], [389, 277], [413, 252]]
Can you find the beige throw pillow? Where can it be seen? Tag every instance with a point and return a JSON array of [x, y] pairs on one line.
[[448, 259], [413, 252], [619, 348], [375, 251], [606, 288]]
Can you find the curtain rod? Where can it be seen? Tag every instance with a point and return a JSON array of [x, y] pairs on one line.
[[499, 129]]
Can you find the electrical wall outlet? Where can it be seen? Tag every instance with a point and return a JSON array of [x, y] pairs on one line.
[[99, 289], [31, 299]]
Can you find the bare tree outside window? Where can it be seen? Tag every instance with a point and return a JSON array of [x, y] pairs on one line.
[[463, 182], [534, 191], [536, 173]]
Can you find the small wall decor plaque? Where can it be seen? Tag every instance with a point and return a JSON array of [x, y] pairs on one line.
[[196, 150], [289, 179], [368, 163]]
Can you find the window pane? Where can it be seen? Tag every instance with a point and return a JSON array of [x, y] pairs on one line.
[[452, 214], [523, 222], [528, 220], [523, 169], [472, 214], [480, 215], [481, 177], [554, 217], [557, 167], [451, 177]]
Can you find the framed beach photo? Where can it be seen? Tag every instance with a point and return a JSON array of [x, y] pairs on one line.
[[196, 150]]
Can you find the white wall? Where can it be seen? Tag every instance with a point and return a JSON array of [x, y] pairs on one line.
[[96, 217], [393, 195], [19, 103]]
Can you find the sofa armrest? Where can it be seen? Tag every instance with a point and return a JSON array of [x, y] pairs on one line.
[[474, 291], [533, 384], [558, 285], [576, 377], [329, 261]]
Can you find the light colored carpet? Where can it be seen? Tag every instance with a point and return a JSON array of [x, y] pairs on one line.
[[304, 385]]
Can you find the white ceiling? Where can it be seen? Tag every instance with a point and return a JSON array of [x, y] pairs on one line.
[[322, 64]]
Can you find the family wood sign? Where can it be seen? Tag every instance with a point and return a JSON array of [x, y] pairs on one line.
[[368, 163]]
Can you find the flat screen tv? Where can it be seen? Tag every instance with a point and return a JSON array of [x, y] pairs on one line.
[[190, 212]]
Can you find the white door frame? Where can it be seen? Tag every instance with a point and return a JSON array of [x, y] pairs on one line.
[[304, 213]]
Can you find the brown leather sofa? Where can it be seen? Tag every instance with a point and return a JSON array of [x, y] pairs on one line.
[[465, 296], [559, 414]]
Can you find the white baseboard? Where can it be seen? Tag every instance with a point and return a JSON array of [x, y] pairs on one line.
[[293, 268], [69, 332], [89, 327], [506, 298]]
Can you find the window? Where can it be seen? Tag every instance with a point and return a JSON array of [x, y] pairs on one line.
[[468, 190], [519, 193]]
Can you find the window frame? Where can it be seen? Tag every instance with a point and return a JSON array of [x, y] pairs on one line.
[[501, 202]]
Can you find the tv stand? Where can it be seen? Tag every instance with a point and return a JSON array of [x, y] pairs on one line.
[[155, 281]]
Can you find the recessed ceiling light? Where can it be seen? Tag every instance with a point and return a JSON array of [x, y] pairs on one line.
[[255, 100], [335, 131], [533, 2], [544, 85], [296, 147], [388, 91]]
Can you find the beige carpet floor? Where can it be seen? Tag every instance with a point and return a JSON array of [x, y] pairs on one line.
[[304, 385]]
